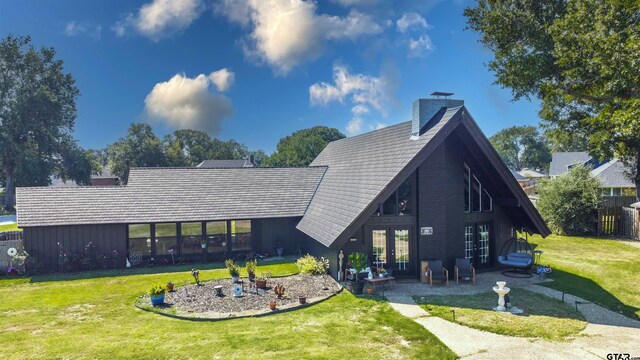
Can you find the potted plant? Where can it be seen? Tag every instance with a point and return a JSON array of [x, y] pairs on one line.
[[358, 261], [261, 281], [170, 286], [203, 243], [382, 272], [272, 305], [369, 289], [156, 293], [234, 270], [251, 266], [302, 299]]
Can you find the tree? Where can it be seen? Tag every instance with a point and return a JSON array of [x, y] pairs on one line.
[[585, 72], [139, 148], [522, 146], [301, 147], [187, 147], [569, 203], [37, 115]]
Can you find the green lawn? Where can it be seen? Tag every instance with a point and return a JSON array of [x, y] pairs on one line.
[[10, 227], [80, 316], [606, 272], [560, 319]]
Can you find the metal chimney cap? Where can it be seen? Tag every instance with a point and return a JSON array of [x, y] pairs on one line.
[[439, 94]]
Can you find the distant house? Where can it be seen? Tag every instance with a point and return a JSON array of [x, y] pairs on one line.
[[429, 188], [105, 178], [532, 174], [611, 173], [225, 164]]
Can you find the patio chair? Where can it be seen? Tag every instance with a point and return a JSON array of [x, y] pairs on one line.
[[465, 270], [435, 270]]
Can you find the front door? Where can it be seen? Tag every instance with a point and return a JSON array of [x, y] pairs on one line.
[[391, 249], [478, 244]]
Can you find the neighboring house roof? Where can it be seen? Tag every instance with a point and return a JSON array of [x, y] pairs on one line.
[[58, 182], [562, 161], [364, 168], [225, 163], [517, 175], [175, 194], [635, 205], [612, 174], [531, 174]]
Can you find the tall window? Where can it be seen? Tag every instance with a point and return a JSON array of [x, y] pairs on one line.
[[467, 188], [476, 197], [191, 236], [399, 203], [240, 235], [475, 194], [166, 238], [140, 238], [217, 236]]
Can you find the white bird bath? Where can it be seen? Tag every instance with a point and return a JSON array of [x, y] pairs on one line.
[[501, 290]]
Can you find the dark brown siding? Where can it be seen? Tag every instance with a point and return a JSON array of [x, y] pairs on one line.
[[47, 242], [271, 232]]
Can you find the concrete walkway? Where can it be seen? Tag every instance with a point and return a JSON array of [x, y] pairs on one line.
[[606, 332]]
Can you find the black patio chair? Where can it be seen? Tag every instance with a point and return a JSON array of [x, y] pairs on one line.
[[435, 270], [464, 270]]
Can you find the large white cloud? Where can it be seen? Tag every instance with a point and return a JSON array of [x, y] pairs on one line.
[[363, 92], [222, 79], [286, 33], [161, 18], [411, 20], [187, 103]]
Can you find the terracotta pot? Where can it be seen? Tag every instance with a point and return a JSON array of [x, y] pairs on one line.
[[170, 287], [370, 291], [302, 299], [272, 305], [261, 284]]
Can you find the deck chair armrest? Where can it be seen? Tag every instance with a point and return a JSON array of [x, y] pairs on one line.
[[445, 272]]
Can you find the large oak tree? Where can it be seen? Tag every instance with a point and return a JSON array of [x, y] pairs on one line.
[[301, 147], [580, 58]]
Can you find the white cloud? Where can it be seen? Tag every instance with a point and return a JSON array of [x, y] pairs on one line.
[[411, 20], [286, 33], [348, 3], [187, 103], [75, 28], [161, 18], [222, 79], [362, 91], [420, 47]]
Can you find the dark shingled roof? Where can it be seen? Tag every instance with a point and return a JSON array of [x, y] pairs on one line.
[[612, 174], [359, 169], [560, 161], [225, 164], [175, 194], [517, 175]]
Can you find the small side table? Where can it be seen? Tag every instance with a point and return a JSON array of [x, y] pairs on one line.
[[537, 254]]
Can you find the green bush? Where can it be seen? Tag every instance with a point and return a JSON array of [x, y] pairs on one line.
[[251, 266], [569, 203], [309, 264], [234, 269], [358, 261], [158, 289]]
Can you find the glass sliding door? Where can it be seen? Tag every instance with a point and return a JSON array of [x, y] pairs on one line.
[[216, 237], [191, 236], [379, 238], [166, 239], [240, 235], [401, 247], [478, 244], [391, 248]]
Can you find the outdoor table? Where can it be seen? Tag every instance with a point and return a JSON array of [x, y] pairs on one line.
[[382, 280]]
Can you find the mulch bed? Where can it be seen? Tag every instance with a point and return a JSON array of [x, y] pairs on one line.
[[202, 301]]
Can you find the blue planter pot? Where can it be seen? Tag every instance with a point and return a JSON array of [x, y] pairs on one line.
[[157, 299]]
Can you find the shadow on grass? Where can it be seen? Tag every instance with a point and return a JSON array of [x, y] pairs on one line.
[[137, 271], [589, 290]]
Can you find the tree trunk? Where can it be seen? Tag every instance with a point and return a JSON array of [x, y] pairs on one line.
[[9, 190]]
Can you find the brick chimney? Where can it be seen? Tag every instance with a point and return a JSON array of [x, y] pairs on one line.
[[425, 109]]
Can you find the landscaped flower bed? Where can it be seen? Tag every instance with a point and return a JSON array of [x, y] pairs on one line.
[[201, 301]]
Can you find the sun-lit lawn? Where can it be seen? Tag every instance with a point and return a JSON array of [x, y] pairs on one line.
[[78, 316], [9, 227], [606, 272], [545, 317]]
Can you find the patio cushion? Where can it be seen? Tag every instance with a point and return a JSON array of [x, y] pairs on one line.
[[516, 259]]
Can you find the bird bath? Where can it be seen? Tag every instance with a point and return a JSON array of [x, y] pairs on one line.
[[501, 290]]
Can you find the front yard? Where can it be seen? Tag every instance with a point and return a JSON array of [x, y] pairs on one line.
[[606, 272], [79, 316]]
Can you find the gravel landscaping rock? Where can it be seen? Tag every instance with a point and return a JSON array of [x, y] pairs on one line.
[[202, 301]]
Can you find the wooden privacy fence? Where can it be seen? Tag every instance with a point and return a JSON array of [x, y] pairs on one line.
[[609, 221], [616, 201], [631, 223]]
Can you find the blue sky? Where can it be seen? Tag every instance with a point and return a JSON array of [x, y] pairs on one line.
[[257, 70]]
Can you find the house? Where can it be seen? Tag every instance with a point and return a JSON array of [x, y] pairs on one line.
[[429, 188], [612, 174], [105, 178], [240, 163]]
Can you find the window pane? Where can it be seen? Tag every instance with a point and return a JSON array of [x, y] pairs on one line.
[[191, 236], [240, 235], [166, 238], [483, 244], [468, 242], [217, 236], [487, 201], [402, 249], [194, 228], [389, 206], [475, 194], [379, 248], [467, 184], [616, 191], [140, 231], [404, 198]]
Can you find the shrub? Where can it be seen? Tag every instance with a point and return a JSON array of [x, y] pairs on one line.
[[358, 261], [234, 269], [157, 289], [569, 203], [251, 266], [309, 264]]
